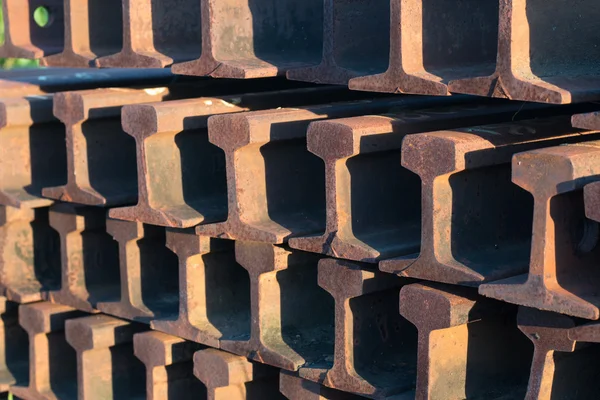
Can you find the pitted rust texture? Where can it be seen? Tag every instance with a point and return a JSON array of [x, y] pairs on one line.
[[467, 347], [538, 60], [100, 156], [24, 38], [475, 223], [364, 179], [52, 362], [591, 194], [589, 121], [181, 176], [356, 40], [230, 377], [563, 274], [296, 388], [148, 273], [169, 366], [213, 290], [249, 39], [29, 254], [269, 168], [106, 365], [89, 257], [92, 28], [14, 354], [156, 34], [287, 319], [431, 43], [32, 151], [561, 361], [371, 338]]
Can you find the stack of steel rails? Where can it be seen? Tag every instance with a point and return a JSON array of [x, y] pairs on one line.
[[172, 229]]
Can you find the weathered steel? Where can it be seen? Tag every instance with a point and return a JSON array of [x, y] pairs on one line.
[[561, 368], [230, 377], [14, 353], [181, 176], [23, 37], [591, 194], [89, 257], [364, 179], [356, 42], [475, 223], [148, 273], [92, 29], [213, 290], [296, 388], [269, 168], [106, 365], [540, 59], [29, 254], [563, 274], [250, 39], [289, 318], [32, 151], [468, 346], [156, 34], [100, 156], [431, 43], [590, 121], [52, 362], [169, 366], [370, 336]]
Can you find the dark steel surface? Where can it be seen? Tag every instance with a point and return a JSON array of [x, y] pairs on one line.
[[296, 388], [14, 352]]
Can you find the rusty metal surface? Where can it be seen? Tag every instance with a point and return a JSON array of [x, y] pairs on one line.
[[538, 60], [169, 366], [230, 377], [283, 318], [106, 365], [296, 388], [370, 337], [591, 194], [563, 274], [149, 285], [181, 176], [356, 40], [560, 362], [52, 362], [89, 257], [467, 347], [590, 121], [212, 289], [14, 354], [269, 168], [363, 178], [91, 29], [432, 43], [475, 223], [250, 39], [29, 254], [155, 34]]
